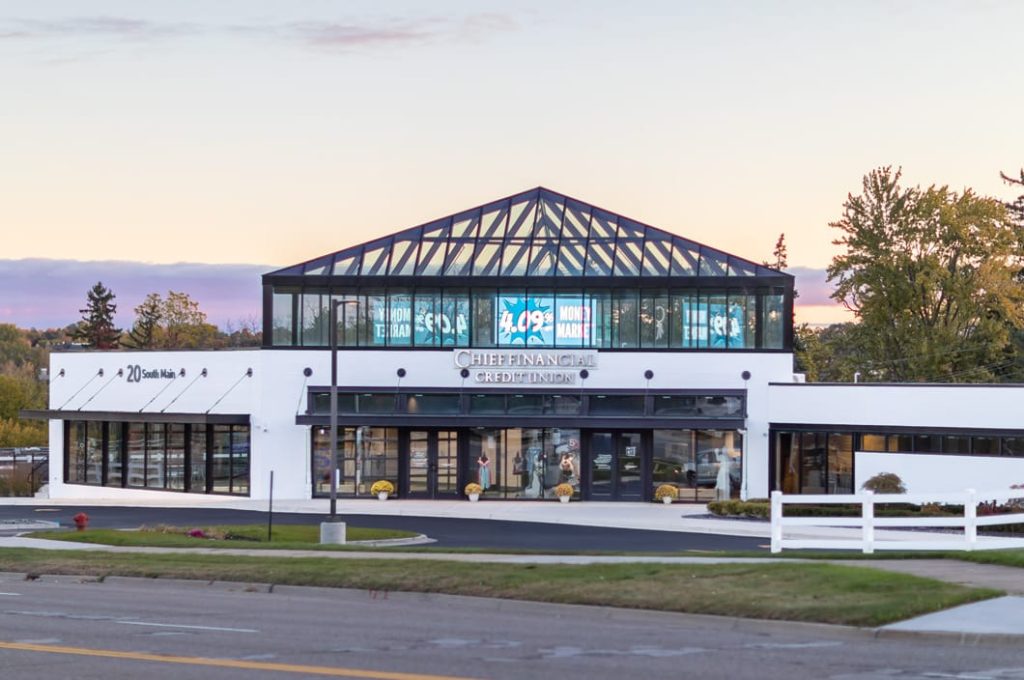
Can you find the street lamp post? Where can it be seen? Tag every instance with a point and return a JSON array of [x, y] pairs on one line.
[[335, 531]]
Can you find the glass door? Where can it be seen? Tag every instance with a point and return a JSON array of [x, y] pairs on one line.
[[602, 448], [629, 478], [419, 463], [616, 466], [433, 463], [447, 469]]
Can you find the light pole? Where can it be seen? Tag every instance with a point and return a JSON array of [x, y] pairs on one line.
[[333, 320]]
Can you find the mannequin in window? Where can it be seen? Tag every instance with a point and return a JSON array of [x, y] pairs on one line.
[[722, 484], [566, 468], [484, 471]]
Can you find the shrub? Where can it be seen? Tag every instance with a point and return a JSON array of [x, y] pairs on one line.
[[735, 508], [666, 491], [885, 482], [382, 486], [563, 490]]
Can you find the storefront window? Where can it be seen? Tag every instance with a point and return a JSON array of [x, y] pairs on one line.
[[315, 320], [427, 319], [872, 442], [283, 318], [158, 455], [136, 445], [433, 404], [774, 321], [198, 459], [155, 452], [617, 405], [626, 318], [76, 463], [114, 475], [840, 463], [487, 404], [399, 318], [94, 453], [454, 320], [673, 462], [812, 462], [719, 463], [221, 455], [176, 457]]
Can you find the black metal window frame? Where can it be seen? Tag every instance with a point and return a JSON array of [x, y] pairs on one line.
[[401, 400], [478, 296], [122, 427]]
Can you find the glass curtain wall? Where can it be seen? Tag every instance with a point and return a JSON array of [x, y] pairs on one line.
[[526, 463], [365, 455], [164, 456], [704, 465], [517, 317]]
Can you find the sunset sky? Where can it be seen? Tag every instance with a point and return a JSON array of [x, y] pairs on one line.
[[267, 133]]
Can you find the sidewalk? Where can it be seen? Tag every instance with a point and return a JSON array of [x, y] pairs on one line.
[[677, 517]]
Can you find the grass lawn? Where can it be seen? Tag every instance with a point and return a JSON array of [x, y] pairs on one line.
[[1003, 558], [797, 592], [284, 536]]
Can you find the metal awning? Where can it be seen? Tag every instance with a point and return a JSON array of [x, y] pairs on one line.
[[136, 417]]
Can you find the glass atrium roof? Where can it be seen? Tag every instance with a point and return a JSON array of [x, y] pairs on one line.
[[537, 233]]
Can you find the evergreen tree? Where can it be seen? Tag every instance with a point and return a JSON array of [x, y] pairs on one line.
[[781, 259], [96, 329], [148, 316], [1016, 208]]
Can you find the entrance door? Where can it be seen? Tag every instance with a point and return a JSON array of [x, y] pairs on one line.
[[616, 466], [433, 463]]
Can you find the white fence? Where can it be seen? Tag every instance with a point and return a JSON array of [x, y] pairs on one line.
[[970, 521]]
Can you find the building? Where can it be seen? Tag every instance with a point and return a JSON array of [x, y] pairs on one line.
[[527, 342]]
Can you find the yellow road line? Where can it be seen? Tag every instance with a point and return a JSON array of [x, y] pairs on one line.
[[225, 663]]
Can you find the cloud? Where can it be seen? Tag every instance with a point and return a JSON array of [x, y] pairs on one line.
[[47, 293], [813, 286], [344, 35], [99, 26], [324, 35]]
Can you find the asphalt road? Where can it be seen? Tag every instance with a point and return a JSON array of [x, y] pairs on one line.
[[129, 628], [449, 532]]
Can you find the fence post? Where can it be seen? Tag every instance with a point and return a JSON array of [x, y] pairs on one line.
[[971, 519], [776, 521], [868, 521]]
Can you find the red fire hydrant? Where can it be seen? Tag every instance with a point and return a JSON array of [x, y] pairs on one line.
[[81, 521]]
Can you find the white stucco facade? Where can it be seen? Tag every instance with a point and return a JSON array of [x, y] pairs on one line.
[[276, 393], [968, 410]]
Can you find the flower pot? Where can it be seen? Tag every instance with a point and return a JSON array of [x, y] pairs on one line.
[[564, 499], [382, 496], [474, 497], [667, 500]]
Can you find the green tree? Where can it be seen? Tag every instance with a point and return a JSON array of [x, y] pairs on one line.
[[829, 354], [174, 322], [148, 316], [96, 329], [932, 276], [184, 324]]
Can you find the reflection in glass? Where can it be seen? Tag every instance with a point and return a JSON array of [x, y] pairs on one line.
[[94, 453], [114, 460], [136, 444], [197, 459], [155, 442]]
